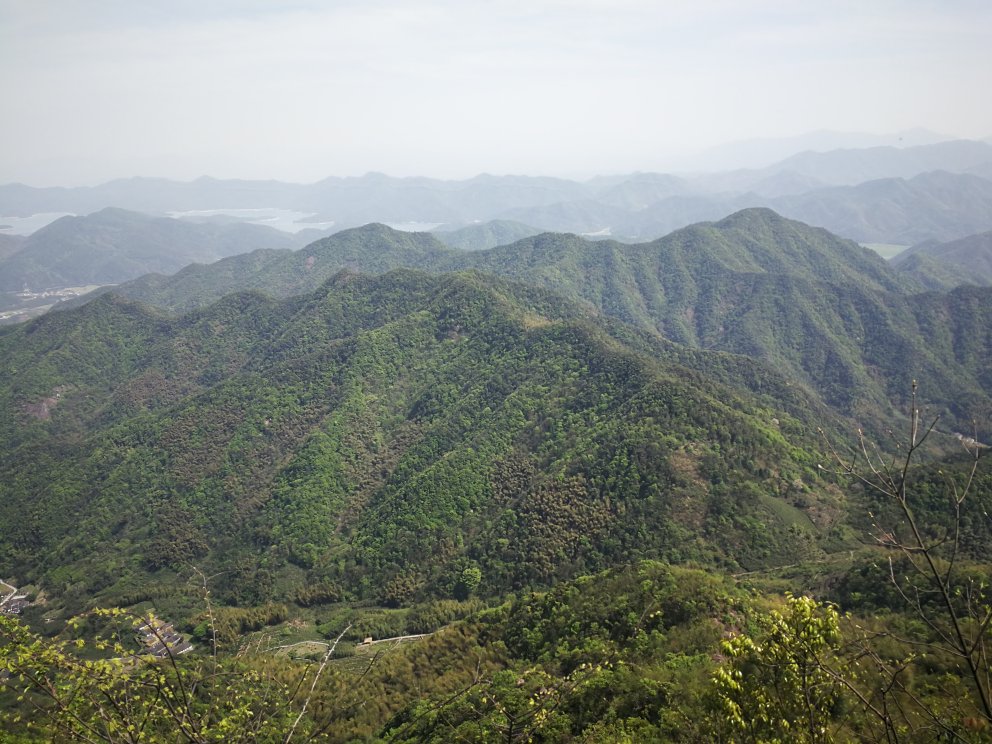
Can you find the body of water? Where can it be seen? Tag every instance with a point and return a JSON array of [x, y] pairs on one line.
[[27, 225], [414, 226], [286, 220]]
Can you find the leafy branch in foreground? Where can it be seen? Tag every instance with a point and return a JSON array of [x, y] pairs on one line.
[[776, 684], [929, 573], [108, 690], [810, 674]]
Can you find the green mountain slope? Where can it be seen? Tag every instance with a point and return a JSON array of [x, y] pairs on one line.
[[822, 310], [384, 435], [486, 235], [945, 265], [373, 248], [751, 241]]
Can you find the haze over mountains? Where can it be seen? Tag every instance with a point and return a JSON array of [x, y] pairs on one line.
[[881, 194], [758, 153], [752, 283]]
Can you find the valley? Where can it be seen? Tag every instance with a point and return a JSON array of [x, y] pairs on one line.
[[569, 486]]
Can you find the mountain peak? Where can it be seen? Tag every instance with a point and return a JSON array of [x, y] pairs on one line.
[[753, 215]]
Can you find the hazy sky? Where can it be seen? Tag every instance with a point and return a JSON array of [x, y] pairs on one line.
[[99, 89]]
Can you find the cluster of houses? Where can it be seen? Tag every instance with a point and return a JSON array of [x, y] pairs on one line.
[[158, 637], [13, 603], [161, 639]]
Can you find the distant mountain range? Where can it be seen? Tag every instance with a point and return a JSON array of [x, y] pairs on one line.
[[930, 206], [821, 309], [852, 166], [929, 192], [762, 152]]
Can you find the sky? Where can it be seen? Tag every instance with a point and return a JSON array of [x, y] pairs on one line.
[[300, 90]]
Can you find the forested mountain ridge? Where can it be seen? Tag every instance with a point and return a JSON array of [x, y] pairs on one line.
[[371, 248], [374, 435], [946, 265], [750, 241], [823, 310], [485, 235]]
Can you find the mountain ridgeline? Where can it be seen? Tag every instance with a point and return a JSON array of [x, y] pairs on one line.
[[823, 310], [384, 434]]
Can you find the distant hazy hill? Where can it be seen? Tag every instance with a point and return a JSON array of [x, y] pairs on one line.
[[676, 212], [944, 265], [347, 201], [930, 206], [984, 170], [853, 166], [115, 245], [486, 235], [639, 190], [637, 206], [818, 167], [156, 195], [823, 310], [580, 216], [762, 152], [10, 244], [379, 198]]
